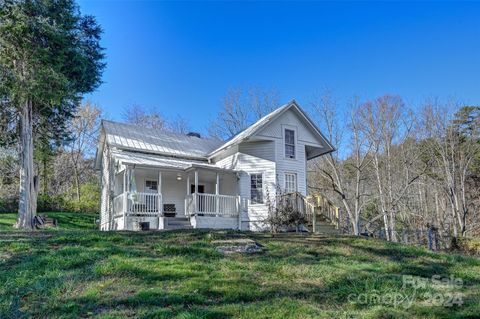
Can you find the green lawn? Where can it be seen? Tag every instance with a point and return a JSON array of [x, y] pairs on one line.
[[66, 220], [87, 273]]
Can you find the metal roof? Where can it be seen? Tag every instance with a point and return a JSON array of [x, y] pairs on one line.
[[142, 139], [150, 160]]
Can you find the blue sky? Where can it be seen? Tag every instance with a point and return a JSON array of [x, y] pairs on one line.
[[182, 57]]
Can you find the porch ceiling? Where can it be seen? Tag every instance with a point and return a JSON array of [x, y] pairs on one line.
[[156, 161]]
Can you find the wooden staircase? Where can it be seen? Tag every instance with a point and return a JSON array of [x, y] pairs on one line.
[[323, 226], [325, 216], [322, 216]]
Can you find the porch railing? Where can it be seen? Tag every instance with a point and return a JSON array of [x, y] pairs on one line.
[[144, 203], [212, 204], [147, 204], [139, 204]]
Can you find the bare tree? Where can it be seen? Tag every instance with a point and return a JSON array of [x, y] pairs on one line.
[[454, 151], [240, 109], [388, 125], [178, 125], [344, 178], [84, 130], [402, 171], [139, 115]]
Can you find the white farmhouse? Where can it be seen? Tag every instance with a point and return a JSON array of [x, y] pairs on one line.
[[152, 179]]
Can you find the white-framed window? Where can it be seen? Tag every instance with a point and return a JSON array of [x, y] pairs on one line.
[[151, 186], [290, 182], [289, 143], [256, 188]]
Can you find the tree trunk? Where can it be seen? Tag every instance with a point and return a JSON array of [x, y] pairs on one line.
[[45, 181], [27, 207], [77, 183], [385, 223], [355, 224], [393, 234]]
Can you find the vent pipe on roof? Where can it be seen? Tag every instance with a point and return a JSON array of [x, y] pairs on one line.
[[194, 134]]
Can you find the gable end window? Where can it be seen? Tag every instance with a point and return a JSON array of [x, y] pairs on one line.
[[256, 188], [289, 143]]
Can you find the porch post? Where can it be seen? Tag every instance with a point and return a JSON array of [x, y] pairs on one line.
[[238, 205], [187, 200], [125, 182], [196, 191], [159, 189], [217, 192], [125, 196]]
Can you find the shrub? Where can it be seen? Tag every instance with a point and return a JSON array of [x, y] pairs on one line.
[[469, 246], [283, 214], [8, 204], [89, 201], [90, 198]]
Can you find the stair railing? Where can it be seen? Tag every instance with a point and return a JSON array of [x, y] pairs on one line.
[[325, 208], [311, 206]]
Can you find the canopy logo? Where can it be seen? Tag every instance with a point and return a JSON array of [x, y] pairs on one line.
[[434, 291]]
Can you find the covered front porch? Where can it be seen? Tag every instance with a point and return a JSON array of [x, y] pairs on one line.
[[147, 197]]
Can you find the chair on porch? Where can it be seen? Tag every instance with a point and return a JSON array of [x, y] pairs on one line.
[[169, 210]]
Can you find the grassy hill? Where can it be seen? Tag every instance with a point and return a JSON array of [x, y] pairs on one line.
[[87, 273]]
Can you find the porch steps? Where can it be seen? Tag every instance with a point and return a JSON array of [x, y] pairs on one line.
[[326, 229], [324, 226], [172, 223]]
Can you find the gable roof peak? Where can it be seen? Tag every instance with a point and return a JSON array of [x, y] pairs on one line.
[[264, 121]]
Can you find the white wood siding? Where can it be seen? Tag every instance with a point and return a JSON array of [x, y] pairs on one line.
[[267, 155], [261, 149], [174, 192], [288, 165], [253, 214], [305, 134], [275, 131], [228, 184], [226, 153]]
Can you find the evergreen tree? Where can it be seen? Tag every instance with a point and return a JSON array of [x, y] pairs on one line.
[[49, 56]]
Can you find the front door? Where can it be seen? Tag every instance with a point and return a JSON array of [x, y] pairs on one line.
[[201, 189]]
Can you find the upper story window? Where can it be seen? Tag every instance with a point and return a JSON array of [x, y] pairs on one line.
[[256, 188], [289, 143], [290, 183]]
